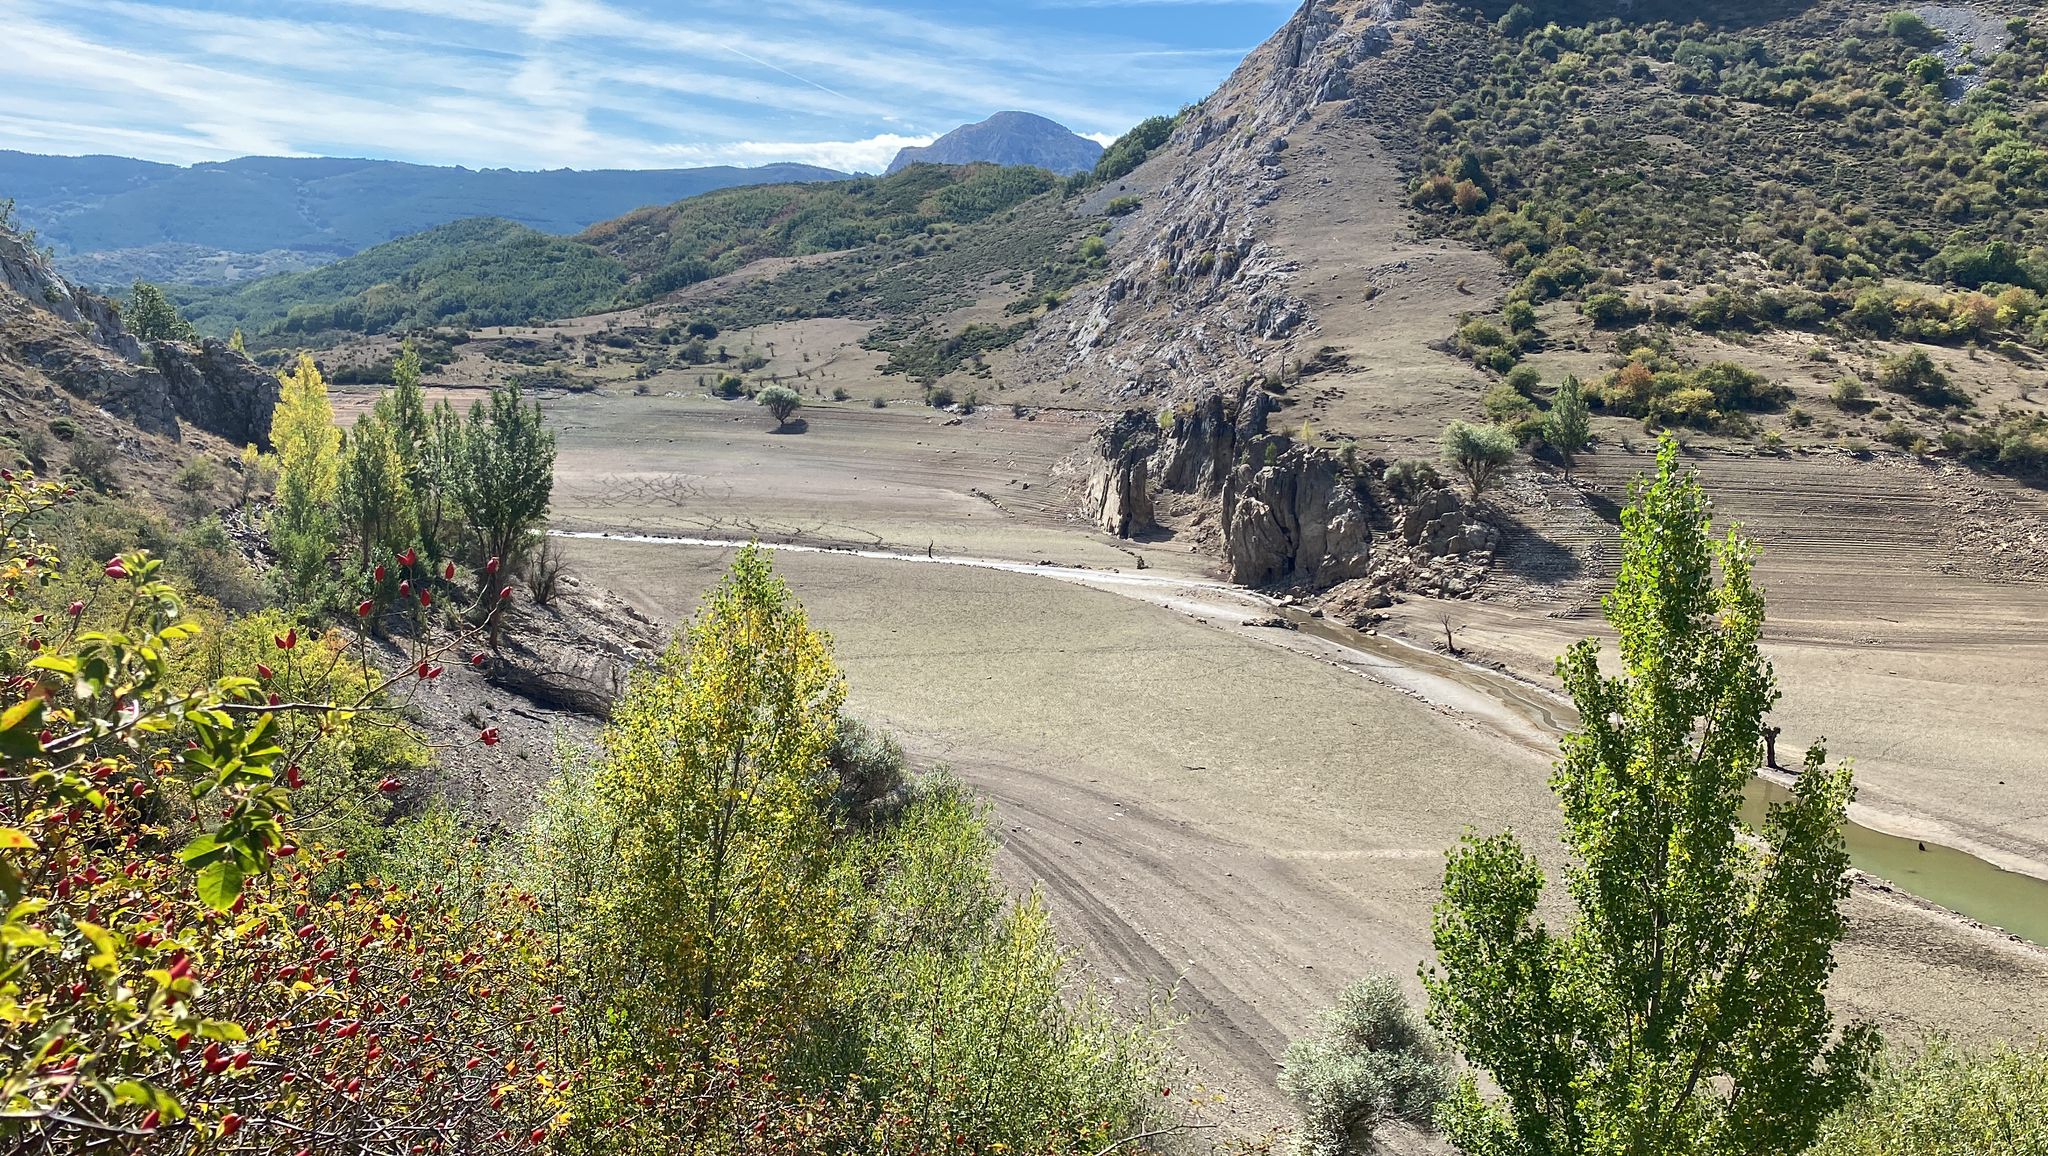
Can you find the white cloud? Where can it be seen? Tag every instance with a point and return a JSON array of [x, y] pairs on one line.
[[550, 83]]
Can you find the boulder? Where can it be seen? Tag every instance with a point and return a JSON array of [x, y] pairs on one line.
[[1290, 513]]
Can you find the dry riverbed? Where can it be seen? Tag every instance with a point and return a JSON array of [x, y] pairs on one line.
[[1248, 817]]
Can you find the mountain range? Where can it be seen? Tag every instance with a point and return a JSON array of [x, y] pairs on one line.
[[113, 219]]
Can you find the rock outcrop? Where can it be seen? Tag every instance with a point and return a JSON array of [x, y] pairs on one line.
[[73, 340], [1441, 524], [1293, 514], [1119, 497], [218, 389], [1289, 513]]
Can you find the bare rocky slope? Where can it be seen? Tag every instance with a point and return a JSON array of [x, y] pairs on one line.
[[1232, 312], [1274, 278], [67, 367]]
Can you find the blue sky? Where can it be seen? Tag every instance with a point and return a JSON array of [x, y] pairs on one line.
[[594, 83]]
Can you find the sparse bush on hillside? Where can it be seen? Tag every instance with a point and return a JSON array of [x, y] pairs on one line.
[[1915, 375], [93, 460], [1412, 477], [1370, 1061]]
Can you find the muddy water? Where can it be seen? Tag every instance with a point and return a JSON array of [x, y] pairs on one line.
[[1956, 880], [1527, 714]]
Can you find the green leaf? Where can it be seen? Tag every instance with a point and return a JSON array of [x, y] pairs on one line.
[[227, 1031], [220, 883], [19, 728]]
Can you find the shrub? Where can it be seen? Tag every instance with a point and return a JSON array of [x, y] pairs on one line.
[[938, 396], [1916, 376], [1479, 453], [730, 385], [781, 402], [1611, 310], [35, 446], [1947, 1102], [1849, 395], [870, 768], [1734, 387], [1503, 404], [1412, 477], [1122, 206], [1370, 1061], [839, 393], [877, 403], [93, 461]]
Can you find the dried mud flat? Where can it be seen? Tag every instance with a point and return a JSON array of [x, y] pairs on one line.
[[1242, 816]]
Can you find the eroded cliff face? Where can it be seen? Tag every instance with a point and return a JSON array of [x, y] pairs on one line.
[[1197, 296], [1289, 513], [55, 335]]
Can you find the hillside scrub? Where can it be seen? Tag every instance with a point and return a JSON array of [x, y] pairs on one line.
[[1683, 1007], [1828, 146], [1372, 1060], [1947, 1102]]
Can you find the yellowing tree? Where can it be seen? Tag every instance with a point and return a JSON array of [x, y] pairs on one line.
[[309, 471], [725, 897]]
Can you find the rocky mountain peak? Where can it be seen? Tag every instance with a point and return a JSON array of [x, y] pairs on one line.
[[1008, 138]]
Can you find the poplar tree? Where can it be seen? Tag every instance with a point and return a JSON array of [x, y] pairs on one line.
[[309, 468], [1683, 1009], [373, 500], [723, 895]]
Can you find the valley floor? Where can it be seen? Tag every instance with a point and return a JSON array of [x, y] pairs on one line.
[[1248, 817]]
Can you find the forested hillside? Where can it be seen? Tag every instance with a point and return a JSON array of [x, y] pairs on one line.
[[494, 272], [112, 215]]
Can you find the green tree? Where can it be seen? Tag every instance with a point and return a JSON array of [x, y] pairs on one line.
[[724, 893], [309, 472], [504, 474], [1568, 427], [1478, 453], [1684, 1010], [373, 502], [152, 317], [780, 401], [236, 343]]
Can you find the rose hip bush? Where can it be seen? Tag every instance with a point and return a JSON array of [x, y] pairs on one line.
[[181, 968]]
